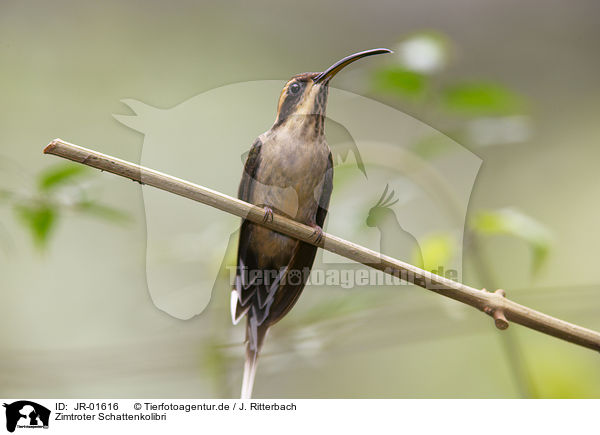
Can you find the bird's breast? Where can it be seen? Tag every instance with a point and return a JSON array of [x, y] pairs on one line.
[[291, 174]]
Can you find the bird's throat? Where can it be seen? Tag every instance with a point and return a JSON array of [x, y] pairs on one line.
[[302, 128]]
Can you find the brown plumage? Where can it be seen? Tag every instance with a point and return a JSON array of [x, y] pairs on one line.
[[288, 171]]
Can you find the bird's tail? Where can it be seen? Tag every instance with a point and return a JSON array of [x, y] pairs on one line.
[[249, 374], [254, 339]]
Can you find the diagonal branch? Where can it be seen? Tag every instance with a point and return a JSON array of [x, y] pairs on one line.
[[494, 304]]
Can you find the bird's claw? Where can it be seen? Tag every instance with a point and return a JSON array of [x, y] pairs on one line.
[[268, 215], [317, 233]]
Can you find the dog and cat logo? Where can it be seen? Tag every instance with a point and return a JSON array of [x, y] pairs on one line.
[[24, 414]]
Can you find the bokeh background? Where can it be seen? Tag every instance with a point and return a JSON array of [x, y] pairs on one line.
[[514, 82]]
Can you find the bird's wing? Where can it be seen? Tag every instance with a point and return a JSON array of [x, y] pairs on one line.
[[326, 193], [250, 168], [243, 290]]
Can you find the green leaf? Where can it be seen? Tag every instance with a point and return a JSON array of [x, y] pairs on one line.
[[58, 175], [482, 98], [436, 250], [103, 211], [569, 376], [39, 219], [509, 221], [400, 81]]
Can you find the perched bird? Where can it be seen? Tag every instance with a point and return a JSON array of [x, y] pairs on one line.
[[289, 171]]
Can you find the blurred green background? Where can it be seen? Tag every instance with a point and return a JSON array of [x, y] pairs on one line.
[[514, 82]]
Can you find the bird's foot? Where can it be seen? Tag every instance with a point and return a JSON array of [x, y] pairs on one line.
[[268, 215], [317, 233]]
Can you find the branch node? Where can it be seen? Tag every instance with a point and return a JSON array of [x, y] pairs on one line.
[[497, 313]]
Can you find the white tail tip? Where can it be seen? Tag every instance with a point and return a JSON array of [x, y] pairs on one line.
[[248, 380]]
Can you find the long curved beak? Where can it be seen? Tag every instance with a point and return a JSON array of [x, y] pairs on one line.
[[326, 75]]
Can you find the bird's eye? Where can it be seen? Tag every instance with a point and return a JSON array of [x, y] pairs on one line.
[[294, 88]]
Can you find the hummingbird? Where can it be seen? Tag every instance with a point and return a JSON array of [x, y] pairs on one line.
[[288, 171]]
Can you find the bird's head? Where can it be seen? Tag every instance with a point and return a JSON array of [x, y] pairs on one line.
[[305, 95]]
